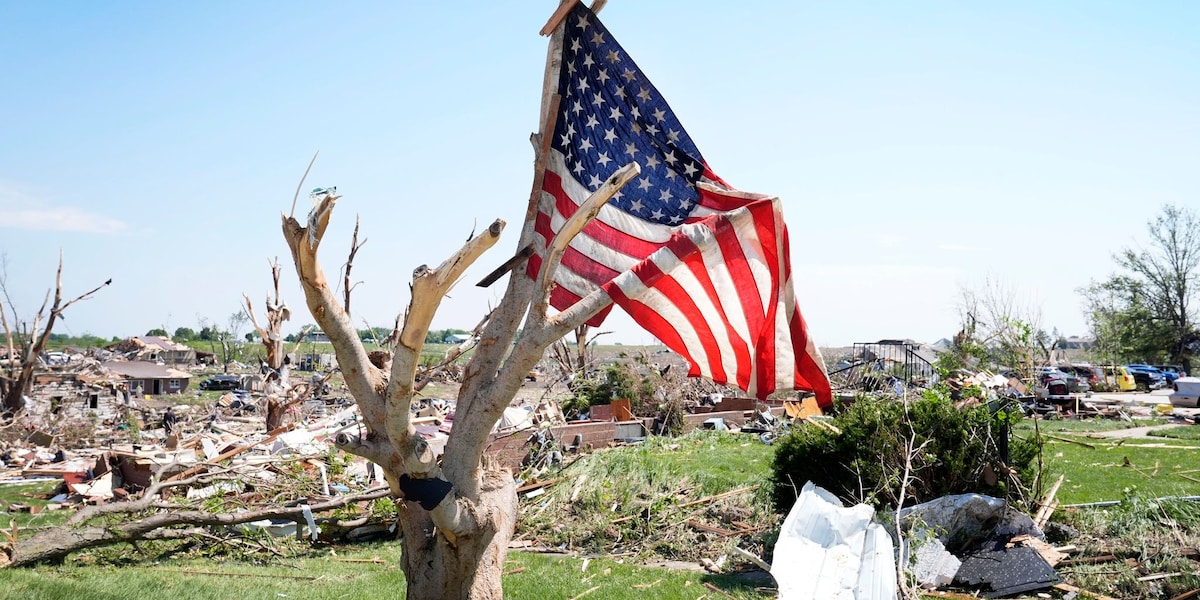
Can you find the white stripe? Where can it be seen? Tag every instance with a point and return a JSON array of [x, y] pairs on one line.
[[633, 288]]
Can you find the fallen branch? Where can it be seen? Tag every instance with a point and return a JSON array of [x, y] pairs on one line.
[[57, 543], [1069, 441], [222, 574]]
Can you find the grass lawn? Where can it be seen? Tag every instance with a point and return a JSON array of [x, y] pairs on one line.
[[33, 495], [1101, 469], [368, 571]]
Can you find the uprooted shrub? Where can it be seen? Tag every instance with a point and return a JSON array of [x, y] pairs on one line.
[[954, 451]]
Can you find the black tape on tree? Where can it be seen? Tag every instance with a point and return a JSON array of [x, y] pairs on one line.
[[427, 492]]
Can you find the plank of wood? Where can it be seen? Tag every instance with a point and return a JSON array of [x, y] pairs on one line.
[[1069, 441], [539, 484], [1070, 588], [709, 528], [559, 14]]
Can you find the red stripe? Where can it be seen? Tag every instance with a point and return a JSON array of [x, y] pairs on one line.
[[562, 298], [721, 202], [811, 376], [652, 322], [653, 276], [744, 289], [764, 225], [693, 257]]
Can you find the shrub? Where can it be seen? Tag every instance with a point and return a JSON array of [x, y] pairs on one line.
[[959, 452]]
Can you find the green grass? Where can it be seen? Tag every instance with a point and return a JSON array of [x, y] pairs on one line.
[[1189, 433], [1107, 469], [32, 494], [320, 574]]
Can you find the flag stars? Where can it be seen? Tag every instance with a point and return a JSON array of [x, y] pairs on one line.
[[673, 136], [671, 174], [675, 219], [598, 99], [615, 114], [671, 159], [604, 159], [665, 195], [578, 170], [609, 135], [575, 45], [652, 162], [603, 76], [583, 85], [636, 206], [620, 92], [689, 169], [587, 60], [613, 57], [628, 74], [652, 129], [631, 149], [644, 184], [582, 23], [592, 122], [594, 182], [644, 94], [685, 204], [585, 145], [660, 115], [637, 114], [597, 38], [657, 215], [577, 107]]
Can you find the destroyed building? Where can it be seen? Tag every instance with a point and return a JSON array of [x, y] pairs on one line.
[[154, 348]]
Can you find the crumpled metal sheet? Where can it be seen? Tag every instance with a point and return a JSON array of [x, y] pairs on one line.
[[828, 551]]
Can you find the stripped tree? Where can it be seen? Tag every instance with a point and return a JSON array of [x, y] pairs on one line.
[[271, 334], [24, 342]]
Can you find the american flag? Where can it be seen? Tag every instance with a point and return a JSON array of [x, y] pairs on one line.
[[703, 267]]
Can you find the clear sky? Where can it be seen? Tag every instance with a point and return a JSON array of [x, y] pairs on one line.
[[918, 147]]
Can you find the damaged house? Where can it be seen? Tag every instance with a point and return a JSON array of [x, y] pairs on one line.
[[82, 394], [144, 377], [153, 348]]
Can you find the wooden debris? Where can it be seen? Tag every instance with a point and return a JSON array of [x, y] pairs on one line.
[[539, 484], [642, 586], [585, 592], [718, 590], [1048, 552], [1069, 441], [1070, 588], [232, 453], [1048, 504], [1157, 576], [750, 556], [515, 571], [578, 487], [1188, 595]]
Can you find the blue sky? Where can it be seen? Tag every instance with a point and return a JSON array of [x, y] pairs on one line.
[[918, 148]]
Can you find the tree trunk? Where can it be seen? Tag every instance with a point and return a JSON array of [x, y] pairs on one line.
[[471, 567]]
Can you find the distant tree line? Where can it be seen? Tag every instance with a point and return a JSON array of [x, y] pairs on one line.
[[1146, 312]]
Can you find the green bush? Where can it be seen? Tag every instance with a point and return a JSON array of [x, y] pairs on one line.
[[956, 451]]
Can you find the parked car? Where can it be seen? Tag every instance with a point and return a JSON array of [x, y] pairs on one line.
[[1187, 392], [1147, 377], [221, 382], [1171, 372], [1047, 375], [1119, 378], [1090, 378]]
